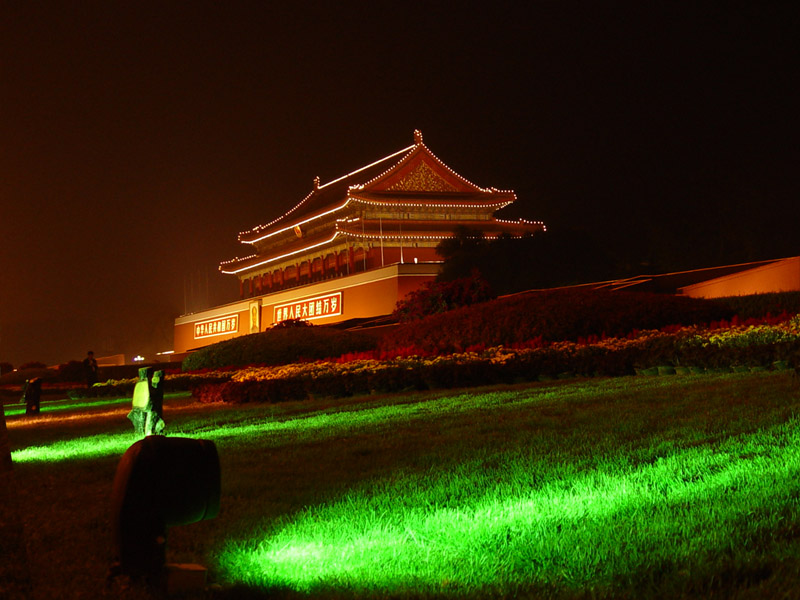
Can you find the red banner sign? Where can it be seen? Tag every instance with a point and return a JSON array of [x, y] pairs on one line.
[[219, 326], [329, 305]]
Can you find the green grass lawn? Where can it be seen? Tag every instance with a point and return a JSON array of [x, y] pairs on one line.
[[637, 487]]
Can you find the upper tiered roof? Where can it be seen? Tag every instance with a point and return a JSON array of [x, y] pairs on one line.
[[411, 179], [409, 172]]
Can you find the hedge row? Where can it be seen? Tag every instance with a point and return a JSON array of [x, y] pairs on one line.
[[756, 306], [280, 346], [173, 382], [551, 315], [763, 349]]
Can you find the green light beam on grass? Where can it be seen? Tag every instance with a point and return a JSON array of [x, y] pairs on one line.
[[52, 406], [319, 426], [85, 448], [477, 530]]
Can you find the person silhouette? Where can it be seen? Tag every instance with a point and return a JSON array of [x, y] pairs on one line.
[[90, 369]]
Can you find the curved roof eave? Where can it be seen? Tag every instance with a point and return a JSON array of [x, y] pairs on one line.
[[321, 191], [479, 203], [249, 267], [293, 224]]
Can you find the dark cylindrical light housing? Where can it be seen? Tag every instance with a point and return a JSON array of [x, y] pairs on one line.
[[160, 482]]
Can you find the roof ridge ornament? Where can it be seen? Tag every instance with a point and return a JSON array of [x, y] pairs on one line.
[[417, 137], [316, 182]]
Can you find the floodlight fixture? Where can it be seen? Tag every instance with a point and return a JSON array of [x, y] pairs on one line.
[[160, 482]]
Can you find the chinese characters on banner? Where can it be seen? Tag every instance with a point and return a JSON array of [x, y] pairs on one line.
[[219, 326], [329, 305]]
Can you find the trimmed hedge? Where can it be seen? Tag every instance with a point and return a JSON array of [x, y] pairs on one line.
[[756, 306], [173, 382], [652, 354], [551, 315], [20, 376], [280, 346]]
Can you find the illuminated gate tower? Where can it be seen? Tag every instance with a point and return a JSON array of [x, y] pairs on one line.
[[352, 247]]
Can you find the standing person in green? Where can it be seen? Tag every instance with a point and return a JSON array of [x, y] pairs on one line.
[[90, 369]]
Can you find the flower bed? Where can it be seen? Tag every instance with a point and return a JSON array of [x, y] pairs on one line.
[[173, 382]]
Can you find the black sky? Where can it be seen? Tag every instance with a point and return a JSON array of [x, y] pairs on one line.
[[139, 138]]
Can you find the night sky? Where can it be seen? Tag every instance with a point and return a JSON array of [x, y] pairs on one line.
[[138, 138]]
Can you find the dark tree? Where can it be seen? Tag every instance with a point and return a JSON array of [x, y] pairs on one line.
[[463, 253], [440, 296], [542, 260]]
